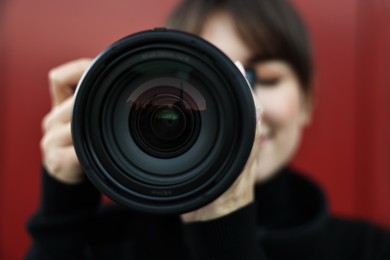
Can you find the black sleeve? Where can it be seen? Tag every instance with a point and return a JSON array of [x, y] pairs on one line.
[[229, 237], [59, 229]]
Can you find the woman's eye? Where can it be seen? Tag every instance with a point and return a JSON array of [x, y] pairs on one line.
[[269, 82], [256, 79]]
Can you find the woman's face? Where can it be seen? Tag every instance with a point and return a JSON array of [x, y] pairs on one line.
[[286, 110]]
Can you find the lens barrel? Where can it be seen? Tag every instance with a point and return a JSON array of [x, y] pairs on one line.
[[163, 122]]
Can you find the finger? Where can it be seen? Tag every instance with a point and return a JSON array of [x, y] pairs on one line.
[[59, 115], [72, 163], [70, 157], [63, 165], [63, 79], [61, 136]]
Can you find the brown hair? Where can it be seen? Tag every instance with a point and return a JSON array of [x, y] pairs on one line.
[[271, 28]]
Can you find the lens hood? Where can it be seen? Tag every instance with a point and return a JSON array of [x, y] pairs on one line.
[[163, 122]]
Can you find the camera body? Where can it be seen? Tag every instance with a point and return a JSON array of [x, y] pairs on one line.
[[163, 122]]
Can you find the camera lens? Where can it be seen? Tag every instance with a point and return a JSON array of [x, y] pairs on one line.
[[163, 122]]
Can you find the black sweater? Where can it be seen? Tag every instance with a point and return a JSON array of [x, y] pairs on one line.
[[289, 220]]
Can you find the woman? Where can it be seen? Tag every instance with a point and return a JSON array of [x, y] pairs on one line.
[[270, 212]]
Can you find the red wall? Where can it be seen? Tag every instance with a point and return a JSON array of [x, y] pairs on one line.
[[346, 149]]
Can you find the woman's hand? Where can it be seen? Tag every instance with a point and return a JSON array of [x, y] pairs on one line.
[[241, 193], [59, 157]]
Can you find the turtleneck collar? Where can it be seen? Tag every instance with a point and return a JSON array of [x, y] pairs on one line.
[[289, 204]]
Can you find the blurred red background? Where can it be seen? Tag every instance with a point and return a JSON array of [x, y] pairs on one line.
[[347, 148]]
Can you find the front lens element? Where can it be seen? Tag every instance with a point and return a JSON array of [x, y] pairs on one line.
[[168, 123], [164, 121]]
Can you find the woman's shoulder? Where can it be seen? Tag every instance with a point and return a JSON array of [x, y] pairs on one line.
[[296, 216]]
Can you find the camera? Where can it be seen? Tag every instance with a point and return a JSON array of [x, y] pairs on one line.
[[163, 122]]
